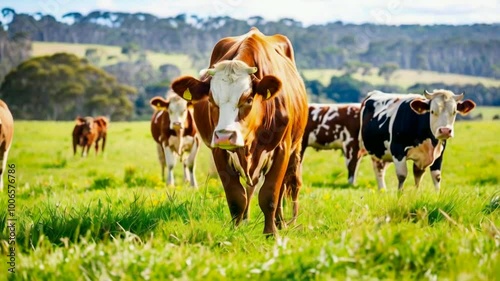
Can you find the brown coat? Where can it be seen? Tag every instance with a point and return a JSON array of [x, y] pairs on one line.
[[6, 135], [272, 118], [88, 131]]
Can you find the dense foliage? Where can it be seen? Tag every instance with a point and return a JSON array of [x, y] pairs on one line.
[[31, 90]]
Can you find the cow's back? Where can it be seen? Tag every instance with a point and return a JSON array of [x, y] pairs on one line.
[[387, 120]]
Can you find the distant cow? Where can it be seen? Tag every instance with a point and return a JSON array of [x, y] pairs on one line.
[[396, 128], [335, 126], [88, 131], [251, 110], [6, 135], [175, 133]]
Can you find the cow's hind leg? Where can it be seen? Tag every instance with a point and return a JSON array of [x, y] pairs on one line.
[[417, 174], [189, 165], [170, 161], [379, 167], [352, 160], [292, 186], [103, 143]]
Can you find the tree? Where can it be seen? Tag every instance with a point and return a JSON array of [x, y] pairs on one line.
[[386, 71], [62, 86]]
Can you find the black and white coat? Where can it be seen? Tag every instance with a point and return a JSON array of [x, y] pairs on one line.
[[400, 127]]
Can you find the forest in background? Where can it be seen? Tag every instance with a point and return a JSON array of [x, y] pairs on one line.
[[467, 49]]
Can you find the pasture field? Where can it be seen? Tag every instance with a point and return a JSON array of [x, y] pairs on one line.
[[110, 217]]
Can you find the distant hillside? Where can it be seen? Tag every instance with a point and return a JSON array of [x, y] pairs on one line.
[[403, 78], [112, 54], [469, 49]]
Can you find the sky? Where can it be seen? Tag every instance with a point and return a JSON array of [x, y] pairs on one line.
[[392, 12]]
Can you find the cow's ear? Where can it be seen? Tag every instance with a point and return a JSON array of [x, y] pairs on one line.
[[158, 103], [267, 87], [464, 107], [420, 106], [190, 88]]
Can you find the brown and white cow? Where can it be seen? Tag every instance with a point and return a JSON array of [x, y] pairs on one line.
[[88, 131], [396, 128], [6, 135], [250, 108], [335, 126], [175, 133]]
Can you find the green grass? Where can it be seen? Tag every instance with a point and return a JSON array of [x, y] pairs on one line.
[[156, 59], [402, 77], [111, 217]]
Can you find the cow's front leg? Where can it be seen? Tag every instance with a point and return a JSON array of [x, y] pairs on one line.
[[235, 193], [269, 195], [401, 171], [417, 174], [189, 164], [436, 171], [161, 158], [379, 167], [170, 161]]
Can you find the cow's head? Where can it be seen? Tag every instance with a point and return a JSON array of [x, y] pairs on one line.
[[443, 106], [176, 107], [86, 125], [236, 95]]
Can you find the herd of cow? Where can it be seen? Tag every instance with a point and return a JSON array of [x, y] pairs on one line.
[[250, 108]]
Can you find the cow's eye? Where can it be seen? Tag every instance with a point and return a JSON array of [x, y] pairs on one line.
[[432, 111], [249, 101]]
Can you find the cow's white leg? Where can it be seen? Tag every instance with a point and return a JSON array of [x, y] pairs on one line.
[[417, 174], [401, 171], [189, 163], [170, 160], [161, 158], [436, 179], [379, 167]]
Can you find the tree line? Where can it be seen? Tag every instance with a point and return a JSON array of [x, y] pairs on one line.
[[466, 49]]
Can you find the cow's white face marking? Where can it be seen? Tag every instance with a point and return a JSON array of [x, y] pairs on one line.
[[177, 111], [443, 110], [230, 82]]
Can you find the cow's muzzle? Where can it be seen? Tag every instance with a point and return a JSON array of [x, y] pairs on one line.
[[444, 133], [226, 139], [176, 126]]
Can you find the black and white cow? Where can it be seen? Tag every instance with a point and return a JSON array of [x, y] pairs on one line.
[[400, 127]]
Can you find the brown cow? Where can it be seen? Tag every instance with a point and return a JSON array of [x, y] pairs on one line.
[[6, 135], [250, 108], [88, 131], [173, 129], [335, 126]]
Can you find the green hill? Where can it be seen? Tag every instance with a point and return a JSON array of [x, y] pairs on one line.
[[112, 54], [402, 77]]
